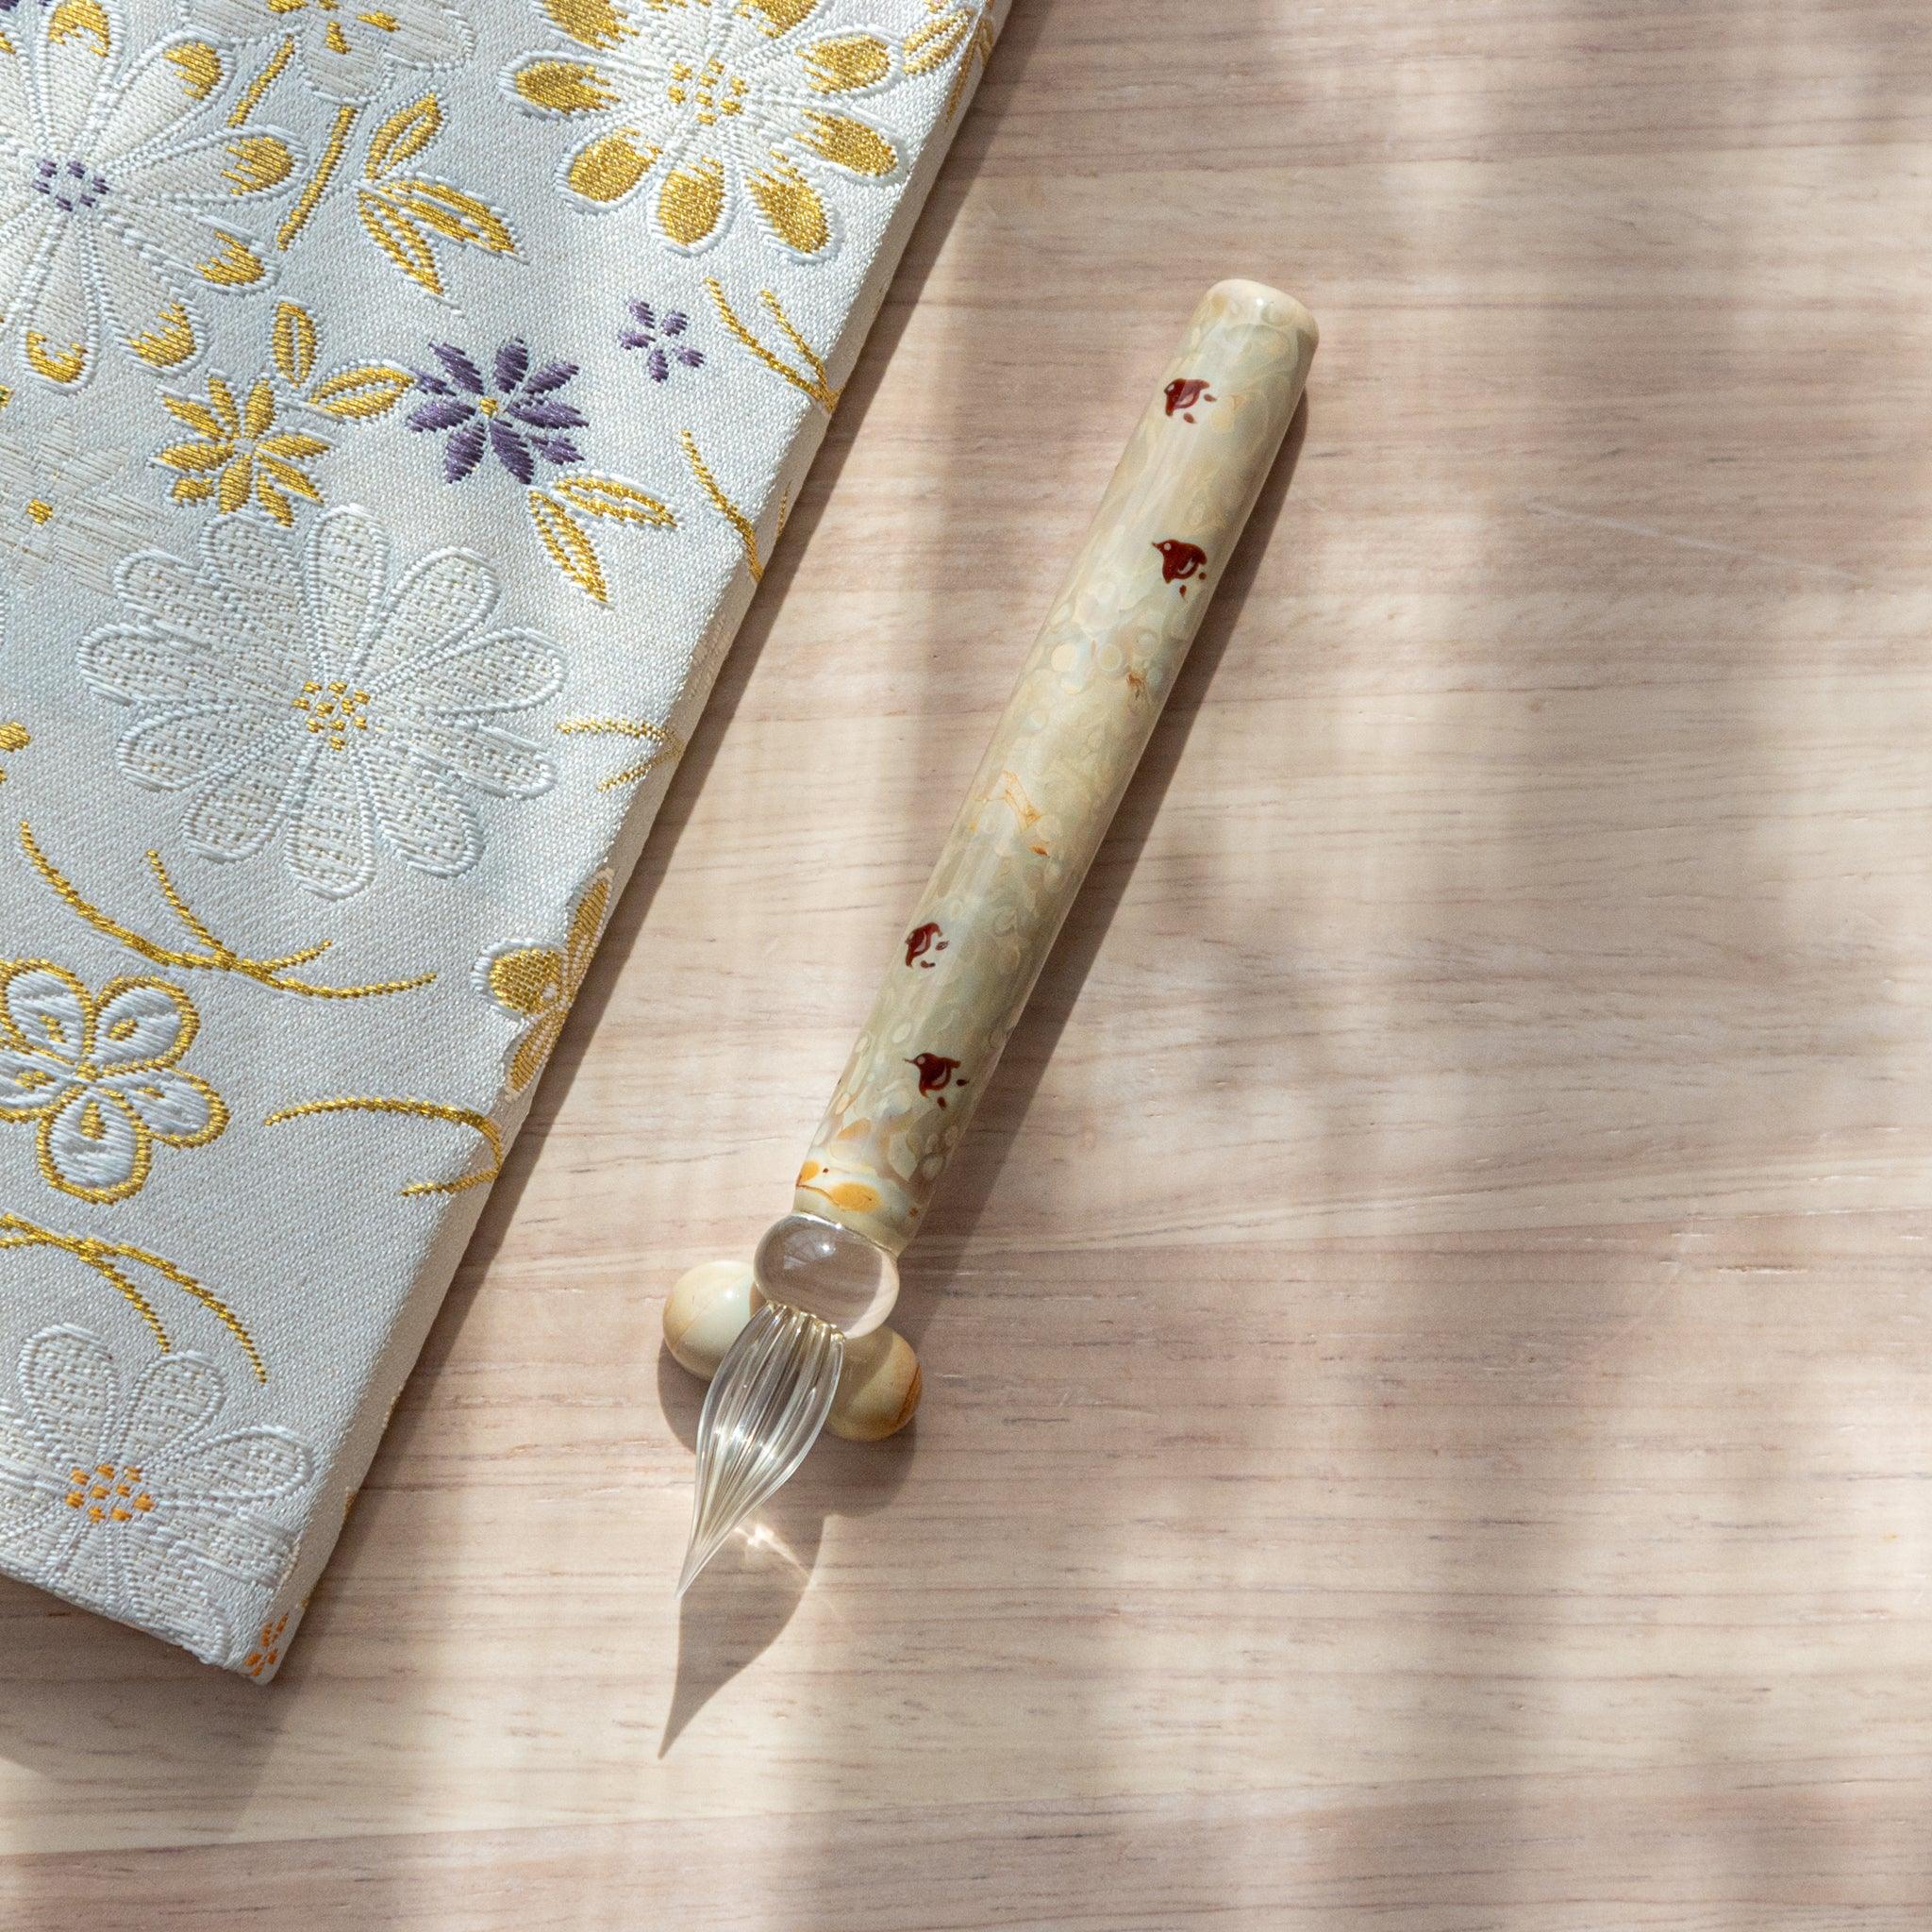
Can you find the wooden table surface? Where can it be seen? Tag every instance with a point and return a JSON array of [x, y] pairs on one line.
[[1429, 1414]]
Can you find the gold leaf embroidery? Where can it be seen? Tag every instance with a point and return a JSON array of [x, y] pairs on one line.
[[198, 64], [850, 144], [371, 389], [591, 22], [15, 736], [691, 203], [74, 20], [217, 955], [570, 548], [292, 342], [611, 496], [403, 136], [401, 239], [451, 212], [564, 86], [167, 345], [402, 213], [64, 366], [781, 16], [258, 162], [951, 28], [233, 265], [422, 1110], [792, 205]]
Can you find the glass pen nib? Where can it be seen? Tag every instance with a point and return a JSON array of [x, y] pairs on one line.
[[764, 1409]]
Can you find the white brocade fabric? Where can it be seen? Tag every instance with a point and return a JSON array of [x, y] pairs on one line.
[[399, 406]]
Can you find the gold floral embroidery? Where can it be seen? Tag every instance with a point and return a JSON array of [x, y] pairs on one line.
[[219, 957], [406, 214], [15, 736], [747, 530], [238, 450], [811, 379], [103, 1258], [98, 1076], [952, 29], [713, 107], [422, 1109], [540, 984], [666, 744]]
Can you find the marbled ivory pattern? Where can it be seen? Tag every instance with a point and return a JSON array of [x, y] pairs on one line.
[[1059, 759]]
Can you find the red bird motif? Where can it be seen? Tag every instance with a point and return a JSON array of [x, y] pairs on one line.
[[935, 1072], [1183, 392], [922, 940], [1179, 560]]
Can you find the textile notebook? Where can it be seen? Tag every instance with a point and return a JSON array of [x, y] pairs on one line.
[[400, 403]]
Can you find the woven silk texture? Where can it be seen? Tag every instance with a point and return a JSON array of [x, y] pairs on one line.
[[399, 405]]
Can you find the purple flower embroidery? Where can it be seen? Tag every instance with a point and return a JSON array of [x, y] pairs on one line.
[[656, 335], [516, 413]]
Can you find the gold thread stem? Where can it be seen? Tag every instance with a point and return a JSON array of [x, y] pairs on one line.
[[770, 298], [92, 1252], [219, 956], [668, 745], [422, 1109], [252, 93], [87, 1253], [631, 775], [179, 905], [747, 534], [213, 1303], [297, 218], [816, 385]]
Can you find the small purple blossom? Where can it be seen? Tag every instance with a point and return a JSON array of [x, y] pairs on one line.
[[515, 412], [656, 335]]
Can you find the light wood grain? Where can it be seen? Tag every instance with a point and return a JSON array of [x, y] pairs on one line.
[[1484, 1483]]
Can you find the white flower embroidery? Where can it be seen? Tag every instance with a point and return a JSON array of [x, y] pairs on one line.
[[98, 1076], [715, 102], [347, 48], [110, 210], [61, 504], [133, 1505], [287, 684]]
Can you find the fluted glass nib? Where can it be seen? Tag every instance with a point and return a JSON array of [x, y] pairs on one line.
[[765, 1408]]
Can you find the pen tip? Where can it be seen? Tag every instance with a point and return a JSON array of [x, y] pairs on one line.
[[763, 1412]]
